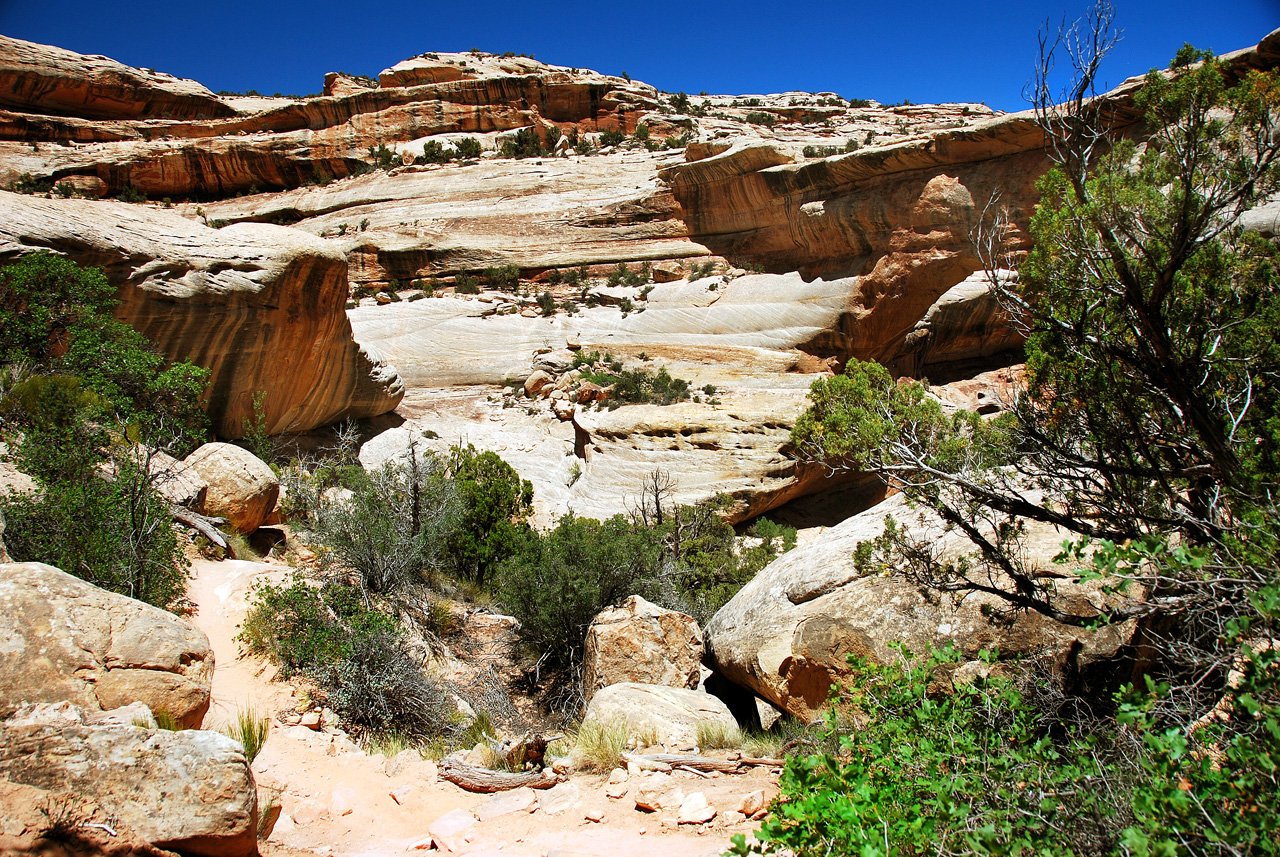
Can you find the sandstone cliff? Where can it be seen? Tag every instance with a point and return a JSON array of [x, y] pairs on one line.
[[259, 305]]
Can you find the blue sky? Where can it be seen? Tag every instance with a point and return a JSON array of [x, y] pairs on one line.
[[889, 50]]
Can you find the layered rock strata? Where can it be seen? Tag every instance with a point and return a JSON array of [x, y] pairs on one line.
[[261, 306]]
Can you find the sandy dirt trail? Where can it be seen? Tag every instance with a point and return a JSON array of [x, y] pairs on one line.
[[338, 801]]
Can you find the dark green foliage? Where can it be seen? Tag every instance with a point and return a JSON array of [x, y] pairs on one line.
[[467, 147], [526, 143], [1151, 422], [433, 152], [759, 117], [680, 102], [974, 769], [379, 687], [55, 316], [505, 278], [131, 194], [547, 304], [496, 502], [632, 386], [642, 132], [301, 627], [355, 653], [464, 284], [115, 533], [612, 137], [859, 103], [383, 158], [27, 184], [697, 272], [556, 584]]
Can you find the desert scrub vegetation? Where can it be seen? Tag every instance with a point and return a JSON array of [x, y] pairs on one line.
[[639, 386], [85, 395], [1149, 421], [251, 729]]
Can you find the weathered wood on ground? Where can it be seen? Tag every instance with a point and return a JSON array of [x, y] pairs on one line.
[[475, 779]]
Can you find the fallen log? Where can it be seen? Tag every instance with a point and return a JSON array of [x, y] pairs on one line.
[[207, 527], [668, 761], [485, 781]]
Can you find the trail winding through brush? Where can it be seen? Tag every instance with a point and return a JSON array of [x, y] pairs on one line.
[[338, 801]]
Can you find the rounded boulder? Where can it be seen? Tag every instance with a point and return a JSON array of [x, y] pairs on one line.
[[242, 487]]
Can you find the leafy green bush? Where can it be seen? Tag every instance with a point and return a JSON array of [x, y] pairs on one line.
[[547, 304], [55, 316], [965, 770], [987, 768], [612, 137], [354, 652], [556, 584], [759, 117], [380, 687], [467, 147], [114, 532], [496, 502], [526, 143], [504, 277], [466, 285]]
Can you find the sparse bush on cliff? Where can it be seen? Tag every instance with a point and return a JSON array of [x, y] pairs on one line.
[[526, 143], [467, 147], [612, 137]]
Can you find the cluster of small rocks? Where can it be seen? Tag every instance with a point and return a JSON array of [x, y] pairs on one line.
[[554, 377]]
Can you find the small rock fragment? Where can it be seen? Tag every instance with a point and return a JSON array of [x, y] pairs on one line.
[[752, 803], [696, 810]]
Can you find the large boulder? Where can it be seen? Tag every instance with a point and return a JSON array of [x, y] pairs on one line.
[[242, 488], [667, 715], [189, 791], [643, 643], [67, 640], [29, 813], [788, 633]]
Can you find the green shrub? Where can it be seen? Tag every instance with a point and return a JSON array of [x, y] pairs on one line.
[[757, 117], [467, 147], [391, 532], [547, 304], [505, 277], [354, 652], [526, 143], [466, 285], [612, 137], [380, 687], [986, 768], [556, 584], [55, 316], [496, 502]]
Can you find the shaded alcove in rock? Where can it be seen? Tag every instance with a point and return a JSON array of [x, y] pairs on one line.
[[830, 507]]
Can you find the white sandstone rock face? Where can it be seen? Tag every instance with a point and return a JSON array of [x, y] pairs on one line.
[[672, 714], [187, 791], [67, 640], [242, 488], [643, 643], [788, 633]]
